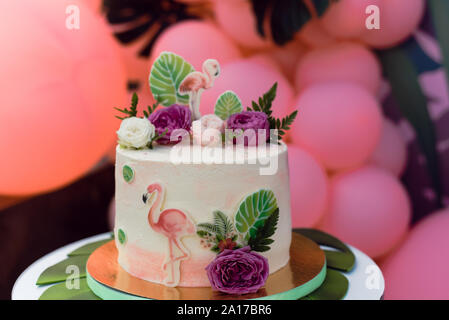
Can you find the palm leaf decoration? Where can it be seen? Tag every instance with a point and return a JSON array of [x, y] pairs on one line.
[[227, 104], [166, 75], [144, 18], [287, 16], [403, 71], [253, 211]]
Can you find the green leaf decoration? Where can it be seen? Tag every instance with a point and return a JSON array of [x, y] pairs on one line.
[[207, 227], [61, 292], [334, 287], [261, 242], [166, 75], [121, 236], [227, 104], [222, 223], [128, 173], [253, 212], [265, 105], [440, 18], [88, 248], [57, 272], [132, 112], [403, 78], [343, 259]]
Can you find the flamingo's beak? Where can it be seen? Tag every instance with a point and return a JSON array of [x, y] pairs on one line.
[[145, 197]]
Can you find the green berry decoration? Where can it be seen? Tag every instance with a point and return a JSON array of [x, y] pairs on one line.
[[128, 173], [121, 236]]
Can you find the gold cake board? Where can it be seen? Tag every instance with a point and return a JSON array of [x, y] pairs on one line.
[[304, 273]]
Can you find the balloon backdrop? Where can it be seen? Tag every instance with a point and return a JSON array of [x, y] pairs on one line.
[[196, 41], [391, 151], [368, 208], [308, 188], [339, 123], [345, 19], [418, 269], [313, 35], [249, 80], [58, 89], [398, 20], [342, 61], [236, 19], [264, 59], [288, 57]]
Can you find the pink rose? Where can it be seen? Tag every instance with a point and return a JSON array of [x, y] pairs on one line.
[[207, 130]]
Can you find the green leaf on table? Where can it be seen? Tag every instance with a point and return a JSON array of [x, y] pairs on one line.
[[253, 211], [227, 104], [404, 81], [166, 75], [87, 249], [343, 260], [59, 272], [61, 292], [334, 287]]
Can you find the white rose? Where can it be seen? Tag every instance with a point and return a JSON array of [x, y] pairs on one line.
[[135, 132], [207, 130]]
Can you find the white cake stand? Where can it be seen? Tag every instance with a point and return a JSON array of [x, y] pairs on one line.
[[366, 281]]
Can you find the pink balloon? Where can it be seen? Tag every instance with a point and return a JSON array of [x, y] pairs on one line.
[[344, 61], [418, 269], [288, 57], [94, 5], [346, 19], [313, 35], [196, 41], [369, 209], [236, 19], [249, 80], [339, 123], [264, 59], [391, 151], [59, 88], [308, 188], [398, 20]]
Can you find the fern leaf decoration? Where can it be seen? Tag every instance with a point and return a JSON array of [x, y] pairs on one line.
[[208, 227], [265, 104], [132, 111]]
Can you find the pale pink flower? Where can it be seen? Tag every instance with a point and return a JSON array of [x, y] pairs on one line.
[[207, 131]]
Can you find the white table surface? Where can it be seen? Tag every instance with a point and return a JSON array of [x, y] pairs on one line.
[[366, 281]]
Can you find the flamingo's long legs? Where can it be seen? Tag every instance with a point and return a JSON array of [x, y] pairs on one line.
[[170, 245]]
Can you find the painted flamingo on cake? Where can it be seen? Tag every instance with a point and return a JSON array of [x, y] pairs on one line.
[[173, 224], [195, 82]]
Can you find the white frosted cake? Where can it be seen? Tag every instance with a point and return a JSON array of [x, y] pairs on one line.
[[201, 200], [197, 190]]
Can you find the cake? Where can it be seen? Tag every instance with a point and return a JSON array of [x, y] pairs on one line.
[[201, 200]]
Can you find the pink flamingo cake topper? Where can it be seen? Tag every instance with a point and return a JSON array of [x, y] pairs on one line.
[[173, 224], [195, 82]]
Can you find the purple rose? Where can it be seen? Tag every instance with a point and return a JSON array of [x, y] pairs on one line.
[[249, 120], [170, 119], [238, 271]]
